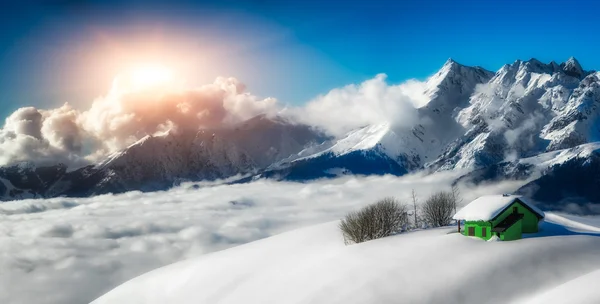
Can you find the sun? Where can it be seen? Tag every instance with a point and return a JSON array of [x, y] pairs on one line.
[[150, 76], [155, 78]]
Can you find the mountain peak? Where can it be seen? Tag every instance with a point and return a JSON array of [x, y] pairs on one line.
[[450, 87], [572, 67], [572, 59], [452, 67], [534, 61], [450, 61], [451, 64], [555, 66]]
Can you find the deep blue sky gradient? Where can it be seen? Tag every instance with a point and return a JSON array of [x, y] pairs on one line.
[[313, 46]]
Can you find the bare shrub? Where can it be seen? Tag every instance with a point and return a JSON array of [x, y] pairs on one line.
[[381, 219], [414, 201], [456, 196], [439, 208]]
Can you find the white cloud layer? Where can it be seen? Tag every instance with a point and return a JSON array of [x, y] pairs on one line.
[[370, 102], [71, 250]]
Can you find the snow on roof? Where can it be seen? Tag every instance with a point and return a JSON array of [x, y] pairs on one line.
[[488, 207]]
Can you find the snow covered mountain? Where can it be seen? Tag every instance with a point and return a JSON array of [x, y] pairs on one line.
[[449, 91], [527, 108], [475, 120], [481, 122], [159, 162], [384, 149]]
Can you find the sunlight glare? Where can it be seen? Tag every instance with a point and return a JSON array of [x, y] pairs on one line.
[[151, 76]]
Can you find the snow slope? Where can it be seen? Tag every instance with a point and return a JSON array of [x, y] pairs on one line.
[[358, 140], [312, 265], [381, 137], [371, 150], [579, 290], [549, 159]]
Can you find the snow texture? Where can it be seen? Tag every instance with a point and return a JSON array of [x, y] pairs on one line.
[[312, 265]]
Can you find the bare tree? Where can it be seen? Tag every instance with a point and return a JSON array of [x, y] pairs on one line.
[[381, 219], [438, 209], [414, 201], [457, 200]]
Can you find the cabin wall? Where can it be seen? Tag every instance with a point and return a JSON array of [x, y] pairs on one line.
[[479, 227], [513, 232], [530, 221]]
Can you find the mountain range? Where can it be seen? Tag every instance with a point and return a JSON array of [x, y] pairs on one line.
[[538, 122]]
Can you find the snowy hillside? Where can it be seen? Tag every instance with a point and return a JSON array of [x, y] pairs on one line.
[[312, 265]]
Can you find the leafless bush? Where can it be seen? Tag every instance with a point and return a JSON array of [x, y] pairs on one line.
[[414, 201], [381, 219], [456, 197], [439, 208]]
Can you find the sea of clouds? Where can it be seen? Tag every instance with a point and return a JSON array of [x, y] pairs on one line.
[[72, 250]]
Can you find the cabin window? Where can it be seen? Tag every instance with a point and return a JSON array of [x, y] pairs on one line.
[[471, 231], [515, 210], [483, 232]]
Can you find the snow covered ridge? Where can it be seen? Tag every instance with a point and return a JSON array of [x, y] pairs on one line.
[[312, 265]]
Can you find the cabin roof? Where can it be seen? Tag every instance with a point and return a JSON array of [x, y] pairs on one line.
[[488, 207]]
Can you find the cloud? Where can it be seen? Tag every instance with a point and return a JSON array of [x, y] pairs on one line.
[[44, 136], [121, 117], [124, 116], [127, 113], [61, 129], [525, 136], [415, 90], [25, 121], [370, 102], [93, 244], [522, 136]]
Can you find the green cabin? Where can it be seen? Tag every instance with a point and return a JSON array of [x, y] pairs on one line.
[[505, 216]]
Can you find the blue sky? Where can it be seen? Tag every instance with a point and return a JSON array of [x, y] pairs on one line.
[[57, 51]]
